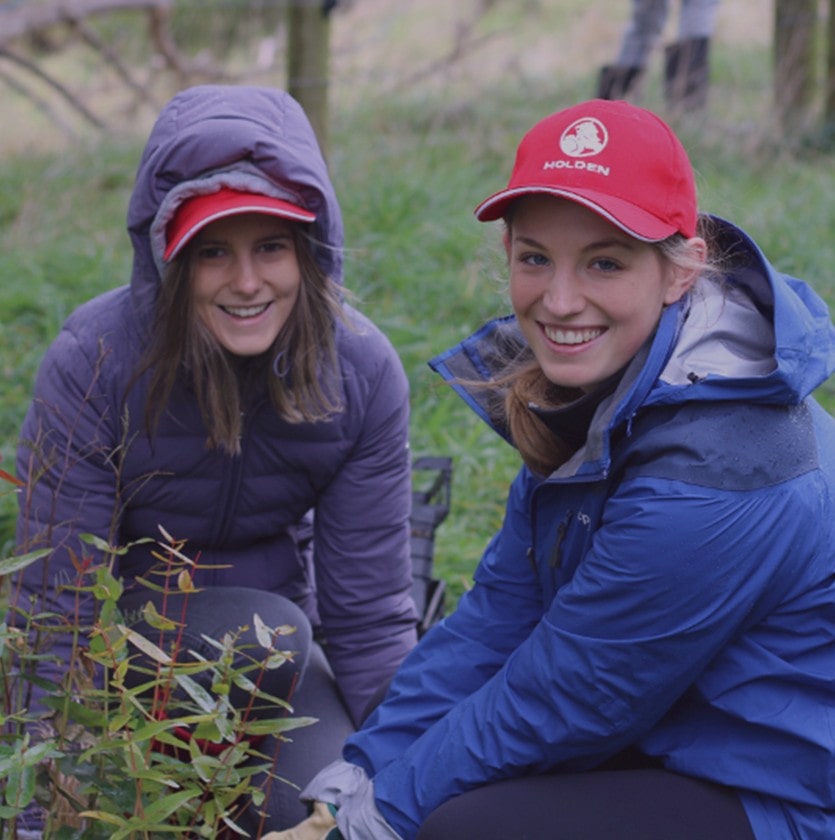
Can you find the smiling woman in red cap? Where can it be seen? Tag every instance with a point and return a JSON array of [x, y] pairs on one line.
[[648, 649], [230, 395]]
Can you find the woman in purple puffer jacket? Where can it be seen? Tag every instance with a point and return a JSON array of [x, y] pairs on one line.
[[230, 396]]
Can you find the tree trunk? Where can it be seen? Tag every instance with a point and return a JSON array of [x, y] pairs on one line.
[[794, 62], [829, 106], [308, 54]]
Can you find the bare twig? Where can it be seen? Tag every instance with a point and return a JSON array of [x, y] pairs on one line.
[[92, 39], [464, 43], [160, 35], [60, 88], [39, 102], [19, 21], [28, 20]]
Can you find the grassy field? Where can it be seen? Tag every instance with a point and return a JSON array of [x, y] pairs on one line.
[[417, 139]]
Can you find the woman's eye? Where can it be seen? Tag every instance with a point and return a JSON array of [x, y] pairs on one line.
[[210, 252], [534, 259], [274, 246], [605, 264]]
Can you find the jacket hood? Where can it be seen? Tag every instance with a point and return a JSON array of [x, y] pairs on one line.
[[759, 335], [250, 138]]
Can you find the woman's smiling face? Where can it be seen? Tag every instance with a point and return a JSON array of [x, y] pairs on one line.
[[245, 280], [586, 294]]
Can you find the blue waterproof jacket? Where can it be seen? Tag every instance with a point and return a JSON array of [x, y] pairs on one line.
[[671, 587], [90, 467]]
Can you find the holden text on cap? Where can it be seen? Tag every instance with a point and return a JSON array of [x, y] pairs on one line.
[[577, 164]]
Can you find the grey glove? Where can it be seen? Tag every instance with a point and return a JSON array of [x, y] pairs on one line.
[[348, 787]]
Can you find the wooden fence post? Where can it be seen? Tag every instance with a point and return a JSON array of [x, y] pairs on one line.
[[308, 54]]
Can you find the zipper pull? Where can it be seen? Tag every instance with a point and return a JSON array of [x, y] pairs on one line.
[[555, 557]]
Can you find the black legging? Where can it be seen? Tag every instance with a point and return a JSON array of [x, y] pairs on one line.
[[634, 804]]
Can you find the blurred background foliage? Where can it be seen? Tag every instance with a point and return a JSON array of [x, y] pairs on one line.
[[427, 102]]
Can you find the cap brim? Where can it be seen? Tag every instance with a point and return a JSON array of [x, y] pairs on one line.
[[202, 210], [623, 214]]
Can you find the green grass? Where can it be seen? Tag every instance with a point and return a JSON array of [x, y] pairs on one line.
[[409, 169]]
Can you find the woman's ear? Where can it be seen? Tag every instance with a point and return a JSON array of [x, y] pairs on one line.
[[685, 274]]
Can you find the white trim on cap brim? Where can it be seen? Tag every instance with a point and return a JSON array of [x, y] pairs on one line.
[[300, 216], [506, 196], [243, 177]]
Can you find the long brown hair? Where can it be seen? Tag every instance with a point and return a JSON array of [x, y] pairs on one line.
[[300, 369]]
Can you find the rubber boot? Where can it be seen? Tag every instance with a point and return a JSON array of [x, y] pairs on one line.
[[686, 75], [617, 82]]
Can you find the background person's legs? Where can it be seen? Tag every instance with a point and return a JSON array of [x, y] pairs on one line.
[[642, 32], [697, 19], [624, 75], [687, 61]]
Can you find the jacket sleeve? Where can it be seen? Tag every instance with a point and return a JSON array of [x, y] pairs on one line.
[[464, 651], [362, 538], [672, 575], [67, 459]]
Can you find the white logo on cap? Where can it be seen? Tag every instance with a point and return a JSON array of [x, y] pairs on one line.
[[584, 137]]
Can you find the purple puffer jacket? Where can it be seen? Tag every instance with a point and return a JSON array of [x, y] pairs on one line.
[[102, 475]]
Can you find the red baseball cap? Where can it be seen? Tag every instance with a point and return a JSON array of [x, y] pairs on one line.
[[619, 160], [197, 212]]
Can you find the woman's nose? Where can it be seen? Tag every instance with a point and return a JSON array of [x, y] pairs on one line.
[[245, 276], [564, 295]]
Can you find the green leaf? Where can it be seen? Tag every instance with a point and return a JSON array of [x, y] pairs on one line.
[[150, 650], [119, 721], [105, 547], [242, 681], [171, 740], [102, 545], [206, 766], [167, 805], [156, 729], [155, 774], [79, 713], [157, 621], [107, 587], [208, 731], [262, 632], [20, 786], [197, 693], [41, 751], [138, 825], [277, 658], [276, 701], [233, 826], [15, 564], [275, 725], [101, 816]]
